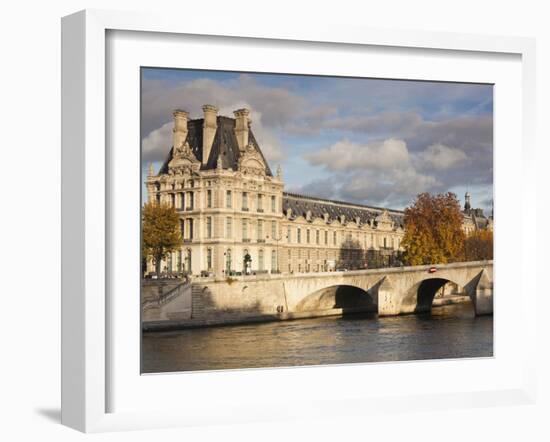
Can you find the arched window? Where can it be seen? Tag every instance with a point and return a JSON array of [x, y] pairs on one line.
[[261, 260], [273, 261], [228, 199], [209, 227], [228, 261], [188, 263], [169, 263], [179, 262], [245, 261]]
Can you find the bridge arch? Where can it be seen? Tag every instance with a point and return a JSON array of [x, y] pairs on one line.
[[348, 297], [422, 294]]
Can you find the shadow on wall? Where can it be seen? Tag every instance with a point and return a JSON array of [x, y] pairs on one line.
[[205, 305], [349, 298], [352, 256]]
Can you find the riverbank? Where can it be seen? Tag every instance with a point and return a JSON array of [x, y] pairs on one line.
[[171, 325]]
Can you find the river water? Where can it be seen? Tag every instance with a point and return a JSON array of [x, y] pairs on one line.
[[448, 332]]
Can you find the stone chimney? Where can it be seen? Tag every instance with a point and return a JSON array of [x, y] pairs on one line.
[[208, 130], [180, 127], [241, 127]]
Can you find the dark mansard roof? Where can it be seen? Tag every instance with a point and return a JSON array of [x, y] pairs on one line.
[[477, 217], [225, 145], [301, 204]]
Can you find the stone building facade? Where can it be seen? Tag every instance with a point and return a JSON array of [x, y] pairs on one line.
[[235, 216]]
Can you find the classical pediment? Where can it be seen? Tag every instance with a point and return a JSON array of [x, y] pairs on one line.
[[384, 221], [251, 162], [183, 161]]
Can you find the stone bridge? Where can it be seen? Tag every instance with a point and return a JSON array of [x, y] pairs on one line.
[[389, 291]]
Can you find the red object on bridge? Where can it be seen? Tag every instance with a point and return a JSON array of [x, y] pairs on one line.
[[432, 270]]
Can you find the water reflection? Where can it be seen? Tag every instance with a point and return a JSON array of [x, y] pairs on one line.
[[448, 332]]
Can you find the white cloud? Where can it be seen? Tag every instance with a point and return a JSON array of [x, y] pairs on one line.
[[346, 155], [156, 145], [382, 173], [441, 157]]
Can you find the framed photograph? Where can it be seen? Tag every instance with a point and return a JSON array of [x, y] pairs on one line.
[[258, 214]]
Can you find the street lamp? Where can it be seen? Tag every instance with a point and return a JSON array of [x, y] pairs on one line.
[[227, 259], [247, 260], [277, 239]]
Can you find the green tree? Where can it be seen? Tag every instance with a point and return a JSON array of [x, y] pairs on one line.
[[433, 230], [160, 232], [479, 246]]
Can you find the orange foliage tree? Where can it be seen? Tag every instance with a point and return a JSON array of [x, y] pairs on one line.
[[433, 230], [160, 232], [479, 246]]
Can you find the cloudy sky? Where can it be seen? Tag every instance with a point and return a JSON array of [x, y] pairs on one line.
[[370, 141]]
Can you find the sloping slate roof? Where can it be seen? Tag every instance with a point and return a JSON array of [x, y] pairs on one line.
[[300, 204], [479, 220], [225, 145]]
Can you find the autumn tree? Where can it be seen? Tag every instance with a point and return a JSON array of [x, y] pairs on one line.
[[479, 246], [160, 232], [433, 230]]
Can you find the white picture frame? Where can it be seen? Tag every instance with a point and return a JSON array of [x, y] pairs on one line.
[[87, 353]]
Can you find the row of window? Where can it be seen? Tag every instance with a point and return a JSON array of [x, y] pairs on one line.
[[320, 263], [230, 265], [244, 201], [186, 200], [184, 261], [369, 240], [182, 200], [186, 229]]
